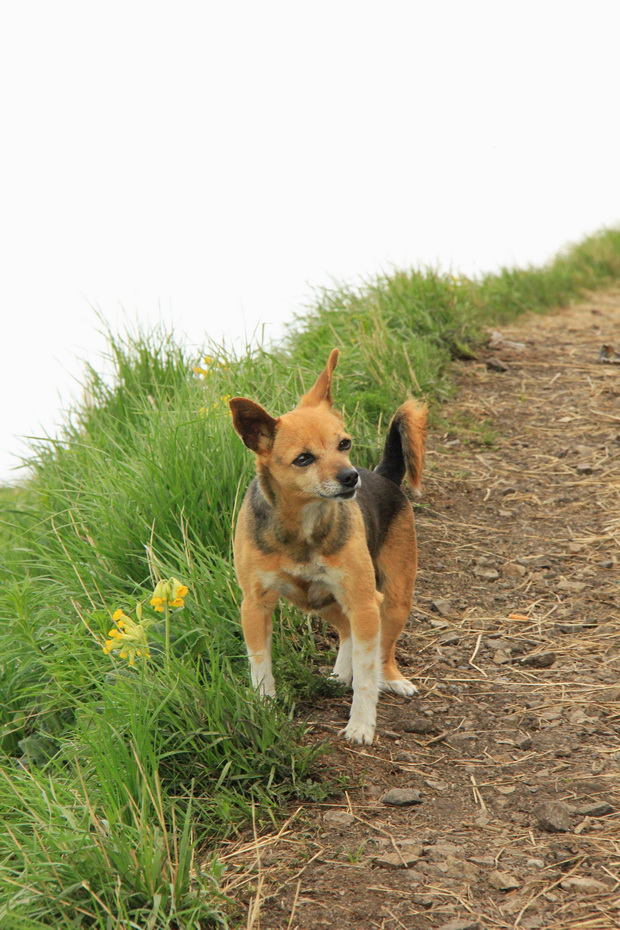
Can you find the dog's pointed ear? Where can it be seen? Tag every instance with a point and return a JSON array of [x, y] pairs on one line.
[[322, 388], [255, 426]]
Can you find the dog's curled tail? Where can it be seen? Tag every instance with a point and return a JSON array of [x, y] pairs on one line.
[[403, 453]]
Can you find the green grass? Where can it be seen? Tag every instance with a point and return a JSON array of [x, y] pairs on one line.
[[116, 782]]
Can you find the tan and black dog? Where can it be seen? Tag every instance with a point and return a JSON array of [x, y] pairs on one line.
[[334, 540]]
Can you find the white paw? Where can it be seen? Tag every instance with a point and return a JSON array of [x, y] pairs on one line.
[[400, 686], [267, 688], [359, 732], [341, 678]]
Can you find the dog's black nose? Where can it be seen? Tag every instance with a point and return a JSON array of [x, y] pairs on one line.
[[348, 478]]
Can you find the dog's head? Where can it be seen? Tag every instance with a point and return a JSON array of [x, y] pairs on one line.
[[304, 452]]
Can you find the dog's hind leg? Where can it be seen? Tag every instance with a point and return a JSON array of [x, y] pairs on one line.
[[397, 568], [256, 620], [343, 668]]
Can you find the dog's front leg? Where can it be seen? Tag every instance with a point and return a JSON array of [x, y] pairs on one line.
[[257, 624], [365, 636]]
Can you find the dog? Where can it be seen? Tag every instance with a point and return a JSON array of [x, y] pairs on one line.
[[334, 540]]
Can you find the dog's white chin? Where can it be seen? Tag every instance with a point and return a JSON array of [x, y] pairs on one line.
[[340, 496]]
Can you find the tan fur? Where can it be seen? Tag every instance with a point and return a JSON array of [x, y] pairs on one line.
[[413, 415], [301, 535]]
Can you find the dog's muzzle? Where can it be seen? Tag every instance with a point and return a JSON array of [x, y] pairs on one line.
[[349, 480]]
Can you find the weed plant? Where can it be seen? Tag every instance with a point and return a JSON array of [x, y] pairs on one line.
[[117, 780]]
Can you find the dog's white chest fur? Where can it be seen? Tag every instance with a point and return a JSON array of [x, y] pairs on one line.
[[315, 578], [311, 514]]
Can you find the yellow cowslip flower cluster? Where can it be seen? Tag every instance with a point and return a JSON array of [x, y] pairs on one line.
[[170, 592], [199, 370], [208, 361], [128, 637]]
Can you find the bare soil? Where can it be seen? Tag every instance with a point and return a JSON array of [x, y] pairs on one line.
[[514, 642]]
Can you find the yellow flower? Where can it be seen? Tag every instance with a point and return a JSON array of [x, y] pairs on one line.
[[128, 637], [169, 591], [199, 370]]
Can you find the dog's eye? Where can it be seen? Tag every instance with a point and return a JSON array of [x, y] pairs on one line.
[[344, 444], [306, 458]]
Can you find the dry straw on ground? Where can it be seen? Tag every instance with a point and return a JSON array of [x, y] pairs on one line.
[[515, 643]]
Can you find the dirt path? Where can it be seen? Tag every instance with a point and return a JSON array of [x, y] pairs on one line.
[[514, 740]]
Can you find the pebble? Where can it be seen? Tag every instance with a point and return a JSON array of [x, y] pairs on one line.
[[402, 860], [338, 818], [458, 868], [412, 846], [439, 851], [436, 785], [461, 738], [424, 900], [503, 881], [401, 797], [460, 924], [487, 574], [538, 660], [523, 741], [442, 606], [586, 885], [495, 364], [421, 725], [554, 817], [565, 585], [597, 809], [483, 860], [502, 657], [438, 624]]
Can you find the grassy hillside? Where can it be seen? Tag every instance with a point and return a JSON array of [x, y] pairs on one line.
[[120, 771]]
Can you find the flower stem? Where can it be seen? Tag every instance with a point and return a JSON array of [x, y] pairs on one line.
[[167, 617]]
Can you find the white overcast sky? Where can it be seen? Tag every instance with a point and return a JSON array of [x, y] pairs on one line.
[[208, 164]]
